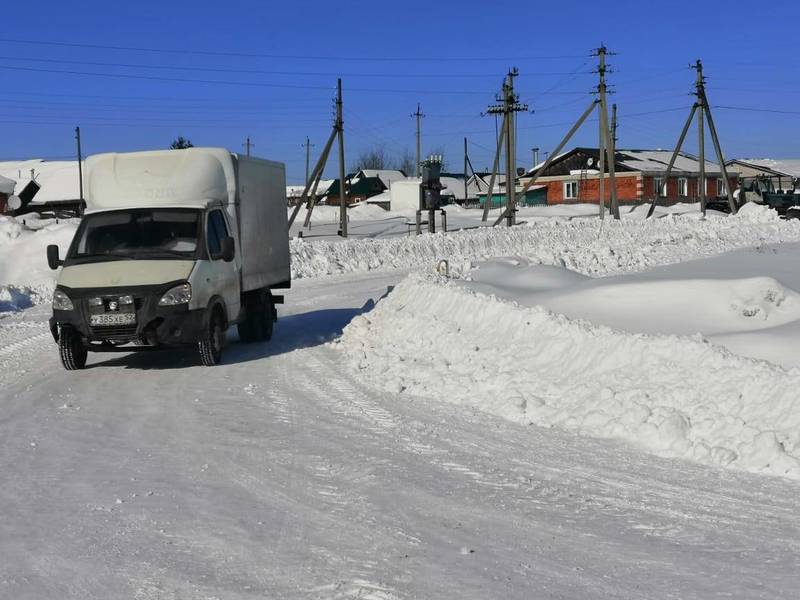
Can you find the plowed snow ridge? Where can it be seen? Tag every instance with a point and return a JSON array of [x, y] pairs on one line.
[[675, 396], [579, 244]]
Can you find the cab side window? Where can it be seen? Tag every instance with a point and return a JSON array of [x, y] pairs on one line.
[[216, 230]]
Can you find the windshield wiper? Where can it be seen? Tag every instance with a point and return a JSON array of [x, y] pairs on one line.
[[114, 255], [164, 252]]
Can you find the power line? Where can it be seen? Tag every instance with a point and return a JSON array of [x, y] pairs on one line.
[[282, 56], [263, 72], [237, 83], [765, 110]]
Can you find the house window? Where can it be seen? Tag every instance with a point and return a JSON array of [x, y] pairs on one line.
[[570, 190], [721, 189], [657, 183], [683, 187]]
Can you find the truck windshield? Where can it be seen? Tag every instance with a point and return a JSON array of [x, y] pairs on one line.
[[139, 233]]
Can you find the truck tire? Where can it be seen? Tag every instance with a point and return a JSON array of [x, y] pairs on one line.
[[71, 349], [259, 318], [211, 346], [266, 319]]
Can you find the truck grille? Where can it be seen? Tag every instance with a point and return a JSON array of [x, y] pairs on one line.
[[115, 333]]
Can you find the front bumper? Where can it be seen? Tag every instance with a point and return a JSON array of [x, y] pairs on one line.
[[155, 326]]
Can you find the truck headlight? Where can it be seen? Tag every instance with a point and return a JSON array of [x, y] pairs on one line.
[[61, 301], [180, 294]]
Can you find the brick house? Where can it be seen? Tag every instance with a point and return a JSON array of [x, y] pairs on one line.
[[574, 177]]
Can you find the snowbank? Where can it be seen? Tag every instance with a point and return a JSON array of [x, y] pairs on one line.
[[25, 278], [674, 396], [582, 245]]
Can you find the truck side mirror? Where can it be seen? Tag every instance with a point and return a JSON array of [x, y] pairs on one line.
[[227, 249], [52, 257]]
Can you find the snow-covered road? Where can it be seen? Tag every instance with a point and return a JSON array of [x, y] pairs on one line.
[[279, 475]]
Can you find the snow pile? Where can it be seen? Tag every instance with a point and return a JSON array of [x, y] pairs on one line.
[[324, 214], [675, 396], [25, 278], [757, 213], [579, 244]]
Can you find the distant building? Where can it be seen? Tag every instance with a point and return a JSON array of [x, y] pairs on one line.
[[783, 173], [356, 190], [574, 177], [387, 176]]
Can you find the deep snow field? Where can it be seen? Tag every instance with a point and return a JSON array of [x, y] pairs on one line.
[[566, 409]]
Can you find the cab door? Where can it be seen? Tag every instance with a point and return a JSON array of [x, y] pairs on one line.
[[222, 278]]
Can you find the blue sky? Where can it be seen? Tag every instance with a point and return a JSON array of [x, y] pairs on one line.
[[268, 70]]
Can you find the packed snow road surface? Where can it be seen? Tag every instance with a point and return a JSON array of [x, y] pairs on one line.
[[281, 475]]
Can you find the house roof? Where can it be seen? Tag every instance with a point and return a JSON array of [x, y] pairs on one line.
[[295, 191], [647, 161], [366, 186], [58, 178], [785, 166], [387, 176]]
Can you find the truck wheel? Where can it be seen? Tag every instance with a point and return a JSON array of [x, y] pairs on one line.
[[71, 349], [211, 347], [266, 319], [259, 319]]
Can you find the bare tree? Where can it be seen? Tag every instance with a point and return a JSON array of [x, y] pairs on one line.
[[407, 162], [372, 158], [180, 143]]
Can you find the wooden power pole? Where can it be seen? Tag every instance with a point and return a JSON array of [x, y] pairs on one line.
[[308, 146], [80, 164], [340, 129], [605, 140], [419, 115], [702, 109], [309, 195], [248, 144]]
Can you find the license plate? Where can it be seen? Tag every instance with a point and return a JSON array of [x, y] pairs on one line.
[[114, 319]]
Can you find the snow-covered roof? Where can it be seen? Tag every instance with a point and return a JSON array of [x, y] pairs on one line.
[[790, 166], [295, 191], [383, 197], [387, 176], [649, 161], [58, 179], [658, 160]]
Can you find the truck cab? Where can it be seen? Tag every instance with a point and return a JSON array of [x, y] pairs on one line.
[[175, 247]]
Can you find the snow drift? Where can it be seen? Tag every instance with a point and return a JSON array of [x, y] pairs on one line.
[[675, 396], [583, 245], [25, 278]]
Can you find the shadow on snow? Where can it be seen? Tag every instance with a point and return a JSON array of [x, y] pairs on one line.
[[292, 332]]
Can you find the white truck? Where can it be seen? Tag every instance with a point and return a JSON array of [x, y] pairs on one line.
[[174, 248]]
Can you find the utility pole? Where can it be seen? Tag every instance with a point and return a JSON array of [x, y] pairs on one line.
[[466, 162], [701, 141], [509, 107], [308, 146], [702, 109], [80, 163], [248, 144], [606, 144], [309, 195], [614, 124], [419, 115], [340, 129]]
